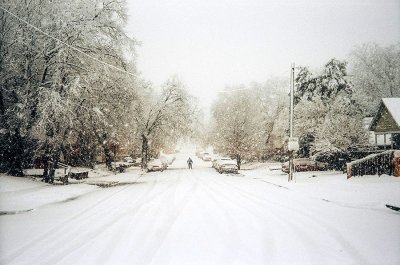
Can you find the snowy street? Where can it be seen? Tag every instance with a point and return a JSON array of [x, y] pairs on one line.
[[200, 132], [199, 216]]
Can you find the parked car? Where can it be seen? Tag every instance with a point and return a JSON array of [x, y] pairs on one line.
[[128, 159], [228, 167], [120, 166], [199, 152], [214, 160], [137, 162], [167, 159], [206, 157], [221, 161], [155, 165], [304, 164]]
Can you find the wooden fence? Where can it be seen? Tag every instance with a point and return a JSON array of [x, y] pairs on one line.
[[377, 164]]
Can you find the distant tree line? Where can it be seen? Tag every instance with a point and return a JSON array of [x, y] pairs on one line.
[[252, 121], [72, 91]]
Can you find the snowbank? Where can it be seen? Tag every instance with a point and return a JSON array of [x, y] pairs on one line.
[[26, 194], [333, 186]]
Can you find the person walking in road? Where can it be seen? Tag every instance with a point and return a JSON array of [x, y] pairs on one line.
[[190, 162]]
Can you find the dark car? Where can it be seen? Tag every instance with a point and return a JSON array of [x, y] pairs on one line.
[[304, 164]]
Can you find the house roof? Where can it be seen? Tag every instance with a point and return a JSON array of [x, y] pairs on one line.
[[392, 105]]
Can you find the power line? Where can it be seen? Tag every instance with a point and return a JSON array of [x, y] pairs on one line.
[[66, 44]]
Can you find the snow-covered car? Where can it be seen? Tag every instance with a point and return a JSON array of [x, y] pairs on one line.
[[228, 167], [128, 159], [304, 164], [199, 153], [137, 162], [214, 160], [206, 157], [168, 159], [155, 165], [165, 161], [219, 161]]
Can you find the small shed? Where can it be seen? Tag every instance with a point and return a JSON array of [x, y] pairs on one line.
[[387, 119]]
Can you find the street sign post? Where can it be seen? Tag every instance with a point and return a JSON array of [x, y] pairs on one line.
[[293, 144]]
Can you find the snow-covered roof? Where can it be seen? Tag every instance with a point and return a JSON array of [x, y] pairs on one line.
[[393, 106]]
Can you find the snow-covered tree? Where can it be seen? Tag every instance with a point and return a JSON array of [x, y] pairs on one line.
[[162, 117], [238, 125], [249, 122], [327, 114], [308, 120], [342, 127], [326, 85], [47, 83], [375, 72], [272, 97]]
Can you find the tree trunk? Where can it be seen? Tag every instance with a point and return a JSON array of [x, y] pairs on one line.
[[45, 176], [109, 157], [45, 161], [51, 170], [2, 105], [238, 161], [145, 151], [54, 161], [16, 159]]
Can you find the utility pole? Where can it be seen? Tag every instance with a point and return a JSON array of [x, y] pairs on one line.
[[291, 98], [293, 144]]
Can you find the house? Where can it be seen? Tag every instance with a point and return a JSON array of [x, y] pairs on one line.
[[386, 121], [377, 140]]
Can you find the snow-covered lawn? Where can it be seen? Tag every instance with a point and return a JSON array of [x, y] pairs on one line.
[[198, 216]]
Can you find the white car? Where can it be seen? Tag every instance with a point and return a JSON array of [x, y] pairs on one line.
[[199, 153], [155, 165], [206, 157], [167, 159], [214, 160], [219, 161], [228, 167]]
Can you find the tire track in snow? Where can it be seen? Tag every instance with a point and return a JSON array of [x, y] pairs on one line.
[[127, 229], [123, 236], [238, 202], [173, 215], [308, 219], [280, 225], [206, 209], [54, 228], [221, 201], [70, 228], [94, 235], [97, 229]]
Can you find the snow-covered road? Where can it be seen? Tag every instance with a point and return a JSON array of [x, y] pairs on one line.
[[198, 216]]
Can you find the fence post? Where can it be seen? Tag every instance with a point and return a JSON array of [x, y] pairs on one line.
[[397, 167], [348, 170]]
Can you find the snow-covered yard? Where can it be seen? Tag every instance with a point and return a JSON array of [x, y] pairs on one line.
[[198, 216]]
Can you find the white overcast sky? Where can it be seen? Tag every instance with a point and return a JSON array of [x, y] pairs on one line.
[[210, 44]]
